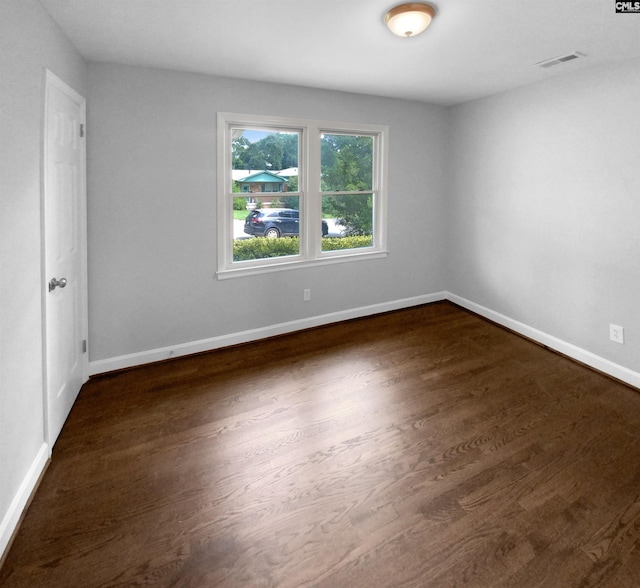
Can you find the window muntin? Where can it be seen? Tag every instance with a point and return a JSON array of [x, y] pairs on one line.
[[331, 176]]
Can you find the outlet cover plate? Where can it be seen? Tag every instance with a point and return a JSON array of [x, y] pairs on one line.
[[616, 334]]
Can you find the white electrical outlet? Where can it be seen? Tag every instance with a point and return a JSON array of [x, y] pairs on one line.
[[616, 334], [307, 294]]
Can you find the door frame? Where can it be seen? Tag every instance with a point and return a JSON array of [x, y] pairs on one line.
[[53, 81]]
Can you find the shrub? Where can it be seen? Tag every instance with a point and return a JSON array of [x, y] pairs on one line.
[[239, 203], [262, 248], [354, 242], [290, 201]]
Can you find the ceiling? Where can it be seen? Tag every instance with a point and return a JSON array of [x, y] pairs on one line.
[[473, 48]]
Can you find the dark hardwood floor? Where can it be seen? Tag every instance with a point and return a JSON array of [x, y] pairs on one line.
[[425, 447]]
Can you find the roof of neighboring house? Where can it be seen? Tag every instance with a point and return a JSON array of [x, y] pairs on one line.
[[237, 174], [287, 173], [240, 174], [262, 177]]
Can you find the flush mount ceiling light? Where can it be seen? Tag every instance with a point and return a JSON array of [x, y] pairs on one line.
[[409, 20]]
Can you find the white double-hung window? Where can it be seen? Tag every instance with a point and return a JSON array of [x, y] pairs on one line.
[[295, 193]]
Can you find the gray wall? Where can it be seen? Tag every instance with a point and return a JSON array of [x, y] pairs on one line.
[[543, 208], [152, 210], [29, 42]]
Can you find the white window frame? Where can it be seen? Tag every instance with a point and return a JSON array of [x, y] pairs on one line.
[[310, 202]]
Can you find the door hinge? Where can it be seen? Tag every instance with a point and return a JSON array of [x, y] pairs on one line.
[[81, 129], [84, 346]]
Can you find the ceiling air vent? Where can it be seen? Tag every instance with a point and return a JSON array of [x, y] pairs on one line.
[[559, 60]]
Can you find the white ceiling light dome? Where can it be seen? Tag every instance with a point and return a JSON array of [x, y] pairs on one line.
[[409, 19]]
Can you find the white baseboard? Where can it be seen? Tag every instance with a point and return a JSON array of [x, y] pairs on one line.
[[12, 517], [153, 355], [586, 357]]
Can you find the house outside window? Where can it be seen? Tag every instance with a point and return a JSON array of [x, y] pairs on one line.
[[330, 177], [262, 181]]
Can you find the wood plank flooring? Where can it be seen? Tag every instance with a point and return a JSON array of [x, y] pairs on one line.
[[424, 447]]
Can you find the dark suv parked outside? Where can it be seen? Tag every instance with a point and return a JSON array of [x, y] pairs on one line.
[[276, 222]]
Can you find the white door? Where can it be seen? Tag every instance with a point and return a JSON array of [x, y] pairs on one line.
[[65, 289]]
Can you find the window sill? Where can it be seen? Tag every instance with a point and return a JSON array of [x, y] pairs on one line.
[[289, 264]]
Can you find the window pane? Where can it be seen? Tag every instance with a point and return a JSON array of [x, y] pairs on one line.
[[346, 163], [350, 221], [269, 226], [264, 161]]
